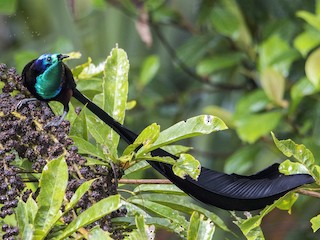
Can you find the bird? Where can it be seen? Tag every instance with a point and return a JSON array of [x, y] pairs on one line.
[[49, 78]]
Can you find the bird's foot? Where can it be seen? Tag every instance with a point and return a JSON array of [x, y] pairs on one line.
[[24, 101]]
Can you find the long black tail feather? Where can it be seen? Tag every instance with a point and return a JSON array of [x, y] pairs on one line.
[[226, 191]]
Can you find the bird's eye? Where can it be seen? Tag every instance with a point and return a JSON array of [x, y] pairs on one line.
[[49, 59]]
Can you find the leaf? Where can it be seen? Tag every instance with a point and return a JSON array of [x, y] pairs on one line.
[[181, 203], [79, 126], [86, 147], [312, 19], [8, 7], [273, 83], [251, 127], [142, 231], [288, 168], [161, 188], [142, 165], [95, 212], [228, 20], [96, 233], [307, 40], [187, 165], [298, 151], [277, 54], [98, 130], [315, 221], [146, 138], [176, 149], [251, 226], [25, 214], [216, 63], [163, 211], [114, 92], [53, 184], [81, 190], [220, 112], [149, 69], [195, 126], [253, 102], [312, 68], [200, 228]]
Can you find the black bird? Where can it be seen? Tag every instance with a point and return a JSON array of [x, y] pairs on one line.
[[48, 78]]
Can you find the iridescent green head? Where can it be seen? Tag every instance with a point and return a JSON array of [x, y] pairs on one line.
[[50, 80]]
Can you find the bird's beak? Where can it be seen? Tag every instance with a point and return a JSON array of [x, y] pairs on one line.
[[61, 57]]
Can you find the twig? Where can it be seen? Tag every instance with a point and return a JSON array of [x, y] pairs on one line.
[[144, 181], [309, 193]]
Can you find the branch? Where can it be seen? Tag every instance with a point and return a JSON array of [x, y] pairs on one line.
[[309, 193], [144, 181]]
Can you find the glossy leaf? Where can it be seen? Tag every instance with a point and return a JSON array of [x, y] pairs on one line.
[[146, 138], [176, 149], [181, 203], [200, 228], [95, 212], [114, 91], [251, 127], [53, 184], [312, 68], [142, 231], [195, 126], [315, 221], [307, 40], [142, 165], [273, 83], [298, 151], [81, 190], [287, 167], [98, 130], [149, 69], [86, 147], [97, 233], [161, 188], [163, 211], [187, 165], [79, 126], [216, 63]]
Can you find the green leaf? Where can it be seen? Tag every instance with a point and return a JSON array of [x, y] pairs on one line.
[[216, 63], [312, 68], [273, 83], [251, 226], [315, 221], [312, 19], [306, 41], [142, 231], [299, 90], [142, 165], [149, 69], [161, 188], [228, 20], [8, 7], [277, 54], [98, 130], [298, 151], [287, 167], [115, 89], [253, 102], [86, 147], [79, 126], [176, 149], [181, 203], [203, 124], [53, 184], [95, 212], [96, 233], [200, 228], [241, 160], [251, 127], [146, 138], [187, 165], [81, 190], [220, 112], [25, 215], [163, 211]]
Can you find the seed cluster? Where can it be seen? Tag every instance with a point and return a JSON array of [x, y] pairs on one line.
[[25, 138]]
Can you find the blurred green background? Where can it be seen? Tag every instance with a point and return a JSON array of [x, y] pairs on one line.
[[253, 63]]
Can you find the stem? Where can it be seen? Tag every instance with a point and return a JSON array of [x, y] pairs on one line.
[[309, 193]]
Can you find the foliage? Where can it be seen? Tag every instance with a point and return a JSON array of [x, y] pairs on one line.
[[253, 64]]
